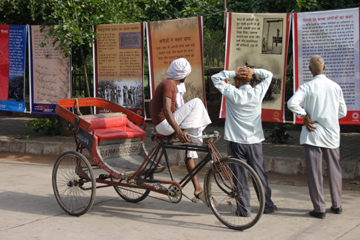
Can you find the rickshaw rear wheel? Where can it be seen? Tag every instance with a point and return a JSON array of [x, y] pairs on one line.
[[73, 183], [130, 194]]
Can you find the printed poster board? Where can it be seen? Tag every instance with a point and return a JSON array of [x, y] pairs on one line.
[[334, 35], [12, 67], [119, 65], [172, 39], [50, 73], [259, 41]]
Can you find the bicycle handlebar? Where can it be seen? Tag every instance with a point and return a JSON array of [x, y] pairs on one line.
[[214, 134]]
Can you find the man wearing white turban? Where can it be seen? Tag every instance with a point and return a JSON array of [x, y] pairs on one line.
[[191, 117]]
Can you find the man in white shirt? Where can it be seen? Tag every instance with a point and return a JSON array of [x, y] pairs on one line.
[[322, 104], [243, 128]]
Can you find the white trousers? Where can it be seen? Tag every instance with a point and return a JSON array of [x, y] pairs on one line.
[[193, 118]]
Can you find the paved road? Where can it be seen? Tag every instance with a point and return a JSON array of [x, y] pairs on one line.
[[29, 210]]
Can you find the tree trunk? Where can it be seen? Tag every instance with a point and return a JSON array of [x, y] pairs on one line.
[[85, 75], [84, 65]]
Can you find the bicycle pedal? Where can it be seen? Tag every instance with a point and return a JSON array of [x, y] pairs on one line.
[[149, 181], [195, 200], [104, 176]]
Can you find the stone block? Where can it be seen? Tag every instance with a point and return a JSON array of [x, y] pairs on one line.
[[287, 166], [268, 161], [357, 171], [34, 147], [4, 146], [51, 148], [348, 169], [65, 147], [302, 167], [17, 147]]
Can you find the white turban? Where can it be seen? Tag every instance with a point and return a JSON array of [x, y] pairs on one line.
[[179, 69]]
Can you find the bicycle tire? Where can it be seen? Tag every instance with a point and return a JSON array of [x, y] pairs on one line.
[[73, 183], [130, 194], [227, 202]]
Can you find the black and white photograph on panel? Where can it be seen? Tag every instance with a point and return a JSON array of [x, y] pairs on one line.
[[272, 36]]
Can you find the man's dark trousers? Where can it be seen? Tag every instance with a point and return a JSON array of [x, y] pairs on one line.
[[252, 154]]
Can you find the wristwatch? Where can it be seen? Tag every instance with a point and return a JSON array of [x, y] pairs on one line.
[[301, 116]]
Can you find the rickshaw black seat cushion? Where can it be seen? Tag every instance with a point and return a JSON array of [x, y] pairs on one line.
[[156, 134]]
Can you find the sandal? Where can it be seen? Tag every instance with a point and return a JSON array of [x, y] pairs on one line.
[[201, 196]]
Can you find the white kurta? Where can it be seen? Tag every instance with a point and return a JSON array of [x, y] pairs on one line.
[[243, 107], [192, 117], [180, 91], [322, 99]]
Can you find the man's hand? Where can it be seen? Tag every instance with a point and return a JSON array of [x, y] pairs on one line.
[[182, 135], [244, 72], [309, 124]]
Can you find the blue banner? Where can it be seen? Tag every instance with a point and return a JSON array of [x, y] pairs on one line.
[[13, 47]]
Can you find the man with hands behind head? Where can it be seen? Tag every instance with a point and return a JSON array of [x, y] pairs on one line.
[[243, 126]]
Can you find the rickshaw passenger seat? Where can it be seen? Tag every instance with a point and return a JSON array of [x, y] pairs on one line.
[[114, 127]]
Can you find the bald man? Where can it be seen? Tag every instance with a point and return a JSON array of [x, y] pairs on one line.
[[321, 103]]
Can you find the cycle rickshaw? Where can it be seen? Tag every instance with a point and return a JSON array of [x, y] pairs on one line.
[[115, 141]]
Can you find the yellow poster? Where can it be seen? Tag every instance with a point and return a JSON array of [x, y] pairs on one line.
[[260, 41], [173, 39], [119, 65]]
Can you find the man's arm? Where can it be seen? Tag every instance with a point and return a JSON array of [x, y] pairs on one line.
[[295, 101], [263, 86], [294, 105], [342, 105], [171, 120], [219, 82], [229, 91]]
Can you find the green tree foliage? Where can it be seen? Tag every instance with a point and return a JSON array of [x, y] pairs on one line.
[[286, 6], [72, 20], [214, 47], [320, 5]]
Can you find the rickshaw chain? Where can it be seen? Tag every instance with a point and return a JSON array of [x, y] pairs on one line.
[[191, 200]]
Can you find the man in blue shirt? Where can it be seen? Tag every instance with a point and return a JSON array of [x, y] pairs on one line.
[[243, 128]]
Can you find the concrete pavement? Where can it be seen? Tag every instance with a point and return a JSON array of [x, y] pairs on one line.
[[28, 210], [279, 158]]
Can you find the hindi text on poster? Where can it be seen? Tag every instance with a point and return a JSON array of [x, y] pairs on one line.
[[51, 70], [119, 65]]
